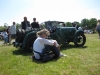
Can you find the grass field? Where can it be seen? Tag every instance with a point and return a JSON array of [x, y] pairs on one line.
[[79, 61]]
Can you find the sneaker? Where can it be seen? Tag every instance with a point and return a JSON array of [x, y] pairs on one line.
[[31, 57], [61, 54]]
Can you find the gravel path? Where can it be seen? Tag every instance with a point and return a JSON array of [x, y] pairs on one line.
[[1, 42]]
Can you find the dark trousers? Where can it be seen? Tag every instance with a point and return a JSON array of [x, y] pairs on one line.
[[8, 38], [98, 32], [48, 50]]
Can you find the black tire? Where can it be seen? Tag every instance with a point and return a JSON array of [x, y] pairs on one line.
[[79, 40], [29, 44], [20, 35]]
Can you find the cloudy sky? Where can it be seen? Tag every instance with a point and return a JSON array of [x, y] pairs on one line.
[[44, 10]]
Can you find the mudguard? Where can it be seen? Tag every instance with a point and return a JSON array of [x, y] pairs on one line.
[[26, 37], [77, 32]]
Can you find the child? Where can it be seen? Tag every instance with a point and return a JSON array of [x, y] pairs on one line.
[[5, 36]]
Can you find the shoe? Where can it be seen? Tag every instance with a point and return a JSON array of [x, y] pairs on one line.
[[62, 55], [31, 57]]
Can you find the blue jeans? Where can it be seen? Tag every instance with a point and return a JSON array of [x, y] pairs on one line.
[[98, 32], [48, 50], [6, 40]]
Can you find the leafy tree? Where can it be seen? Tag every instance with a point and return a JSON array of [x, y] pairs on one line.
[[2, 28], [5, 25], [68, 24], [85, 23], [18, 25], [77, 23], [93, 22]]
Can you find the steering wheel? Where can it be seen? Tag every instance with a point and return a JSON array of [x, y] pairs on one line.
[[54, 28], [49, 28]]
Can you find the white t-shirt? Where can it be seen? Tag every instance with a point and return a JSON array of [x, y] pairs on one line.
[[13, 29], [39, 43], [4, 34], [79, 28]]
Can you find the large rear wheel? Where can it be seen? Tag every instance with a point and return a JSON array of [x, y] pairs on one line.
[[30, 41], [20, 35]]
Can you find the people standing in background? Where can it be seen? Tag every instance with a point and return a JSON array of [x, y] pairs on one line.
[[9, 34], [73, 25], [5, 36], [79, 27], [35, 24], [98, 28], [64, 25], [13, 31], [25, 24]]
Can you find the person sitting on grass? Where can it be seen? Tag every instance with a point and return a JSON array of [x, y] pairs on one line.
[[48, 49]]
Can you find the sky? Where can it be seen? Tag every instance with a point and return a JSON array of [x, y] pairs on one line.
[[44, 10]]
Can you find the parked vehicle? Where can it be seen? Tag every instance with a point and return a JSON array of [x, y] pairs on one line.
[[63, 35], [88, 31], [1, 37]]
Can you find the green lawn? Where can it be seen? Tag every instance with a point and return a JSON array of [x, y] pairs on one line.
[[79, 61]]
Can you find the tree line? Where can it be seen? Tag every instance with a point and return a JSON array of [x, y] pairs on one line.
[[6, 26], [85, 24]]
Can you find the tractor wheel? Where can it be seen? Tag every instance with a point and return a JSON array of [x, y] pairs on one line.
[[29, 43], [80, 40], [20, 35]]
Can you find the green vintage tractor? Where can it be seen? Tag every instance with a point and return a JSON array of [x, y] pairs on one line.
[[63, 35]]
